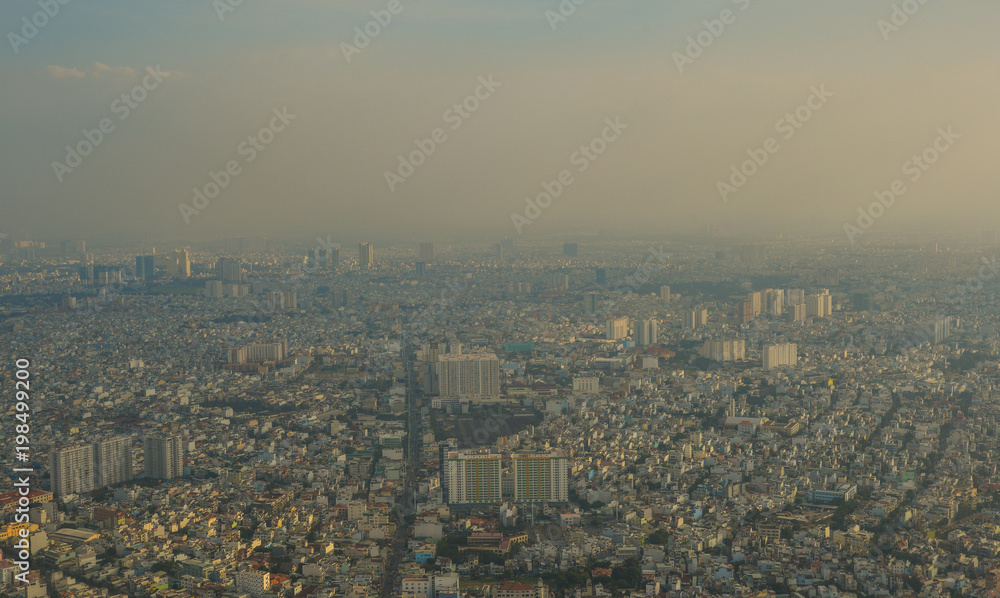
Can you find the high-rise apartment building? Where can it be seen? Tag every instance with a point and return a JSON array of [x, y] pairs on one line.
[[754, 300], [229, 270], [163, 456], [696, 319], [471, 374], [744, 312], [366, 255], [213, 288], [819, 305], [541, 477], [645, 333], [795, 296], [616, 329], [282, 300], [798, 312], [732, 350], [774, 301], [444, 449], [781, 354], [665, 293], [258, 352], [590, 302], [558, 282], [71, 469], [473, 478], [113, 461], [145, 267]]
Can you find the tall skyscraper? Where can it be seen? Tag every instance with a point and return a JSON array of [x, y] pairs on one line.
[[145, 267], [601, 275], [366, 255], [113, 461], [426, 253], [182, 262], [163, 456], [590, 302], [645, 333], [541, 477], [229, 270], [616, 329], [473, 478], [72, 469], [471, 374], [665, 293]]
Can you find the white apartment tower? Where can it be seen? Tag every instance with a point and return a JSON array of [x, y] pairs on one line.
[[113, 461], [72, 469], [470, 374], [616, 329], [779, 355], [541, 477], [473, 478]]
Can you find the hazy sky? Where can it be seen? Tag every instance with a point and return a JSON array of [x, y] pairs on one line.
[[324, 173]]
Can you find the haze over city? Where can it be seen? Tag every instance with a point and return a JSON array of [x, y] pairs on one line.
[[509, 299], [689, 121]]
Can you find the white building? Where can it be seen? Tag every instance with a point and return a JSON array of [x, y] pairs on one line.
[[616, 329], [72, 469], [473, 478], [584, 385], [113, 461], [733, 350], [470, 374], [779, 355], [541, 477]]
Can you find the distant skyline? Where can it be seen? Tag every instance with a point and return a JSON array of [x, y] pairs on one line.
[[205, 84]]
